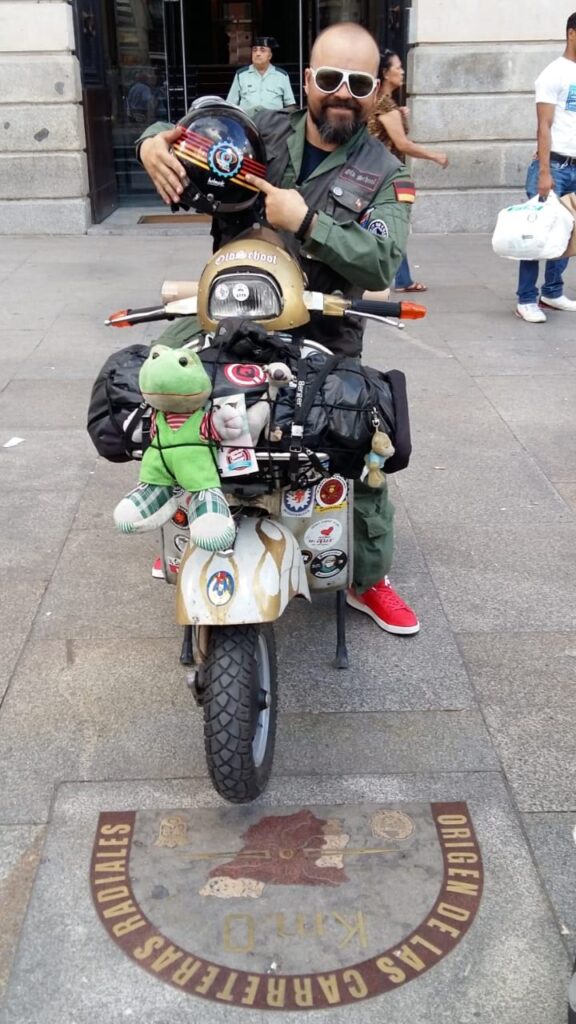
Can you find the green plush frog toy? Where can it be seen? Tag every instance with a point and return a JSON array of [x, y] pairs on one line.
[[182, 451]]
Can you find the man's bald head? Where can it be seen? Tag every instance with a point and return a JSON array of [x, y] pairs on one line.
[[346, 45], [334, 117]]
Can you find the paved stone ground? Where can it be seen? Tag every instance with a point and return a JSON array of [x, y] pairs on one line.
[[479, 707]]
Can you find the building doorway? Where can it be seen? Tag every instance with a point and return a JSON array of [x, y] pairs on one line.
[[160, 55]]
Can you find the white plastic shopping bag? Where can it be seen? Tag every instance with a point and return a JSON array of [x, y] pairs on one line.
[[535, 230]]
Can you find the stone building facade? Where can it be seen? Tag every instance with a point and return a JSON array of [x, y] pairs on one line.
[[471, 69]]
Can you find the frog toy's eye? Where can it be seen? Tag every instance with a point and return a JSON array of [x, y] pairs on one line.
[[183, 361], [155, 355]]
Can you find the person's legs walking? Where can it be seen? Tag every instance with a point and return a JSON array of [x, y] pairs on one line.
[[527, 307], [403, 277], [552, 294]]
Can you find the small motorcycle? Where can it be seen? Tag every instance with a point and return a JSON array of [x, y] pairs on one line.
[[293, 513]]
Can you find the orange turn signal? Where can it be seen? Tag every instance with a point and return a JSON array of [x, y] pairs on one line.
[[412, 311]]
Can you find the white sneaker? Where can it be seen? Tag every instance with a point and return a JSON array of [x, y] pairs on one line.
[[531, 312], [562, 302]]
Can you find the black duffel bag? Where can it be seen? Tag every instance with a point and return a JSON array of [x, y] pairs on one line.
[[340, 404], [118, 417]]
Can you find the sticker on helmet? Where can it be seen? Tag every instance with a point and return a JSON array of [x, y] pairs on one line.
[[225, 159], [222, 292], [245, 375]]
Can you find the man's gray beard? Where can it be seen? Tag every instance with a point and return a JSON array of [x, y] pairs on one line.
[[335, 134]]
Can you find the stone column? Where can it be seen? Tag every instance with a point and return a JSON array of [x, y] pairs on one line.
[[470, 83], [43, 176]]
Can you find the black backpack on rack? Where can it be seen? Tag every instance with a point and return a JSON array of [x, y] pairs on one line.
[[118, 417]]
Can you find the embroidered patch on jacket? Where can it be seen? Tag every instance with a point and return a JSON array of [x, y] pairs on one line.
[[405, 191], [362, 179], [379, 227]]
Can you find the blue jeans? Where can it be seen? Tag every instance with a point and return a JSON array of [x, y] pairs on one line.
[[564, 182], [403, 277]]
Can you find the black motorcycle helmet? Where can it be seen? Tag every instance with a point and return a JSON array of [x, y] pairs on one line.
[[219, 147]]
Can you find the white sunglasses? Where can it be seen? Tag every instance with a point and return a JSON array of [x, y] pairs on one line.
[[360, 83]]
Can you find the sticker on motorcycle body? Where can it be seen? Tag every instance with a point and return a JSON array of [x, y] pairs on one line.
[[328, 564], [298, 503], [323, 534], [331, 493], [220, 588]]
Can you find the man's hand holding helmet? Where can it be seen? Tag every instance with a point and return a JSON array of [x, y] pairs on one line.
[[285, 208], [165, 170]]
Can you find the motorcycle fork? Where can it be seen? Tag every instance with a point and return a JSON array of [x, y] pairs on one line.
[[193, 654]]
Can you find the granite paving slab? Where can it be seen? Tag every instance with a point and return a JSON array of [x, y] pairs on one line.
[[387, 673], [104, 588], [528, 670], [506, 488], [45, 405], [536, 749], [48, 460], [24, 548], [567, 489], [491, 599], [553, 840], [129, 713], [21, 597], [541, 413], [510, 965], [20, 849]]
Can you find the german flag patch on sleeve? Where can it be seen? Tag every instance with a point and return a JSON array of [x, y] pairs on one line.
[[405, 191]]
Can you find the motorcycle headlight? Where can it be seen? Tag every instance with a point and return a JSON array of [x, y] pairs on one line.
[[254, 296]]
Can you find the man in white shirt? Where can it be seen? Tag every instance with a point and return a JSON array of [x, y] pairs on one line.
[[555, 168], [260, 85]]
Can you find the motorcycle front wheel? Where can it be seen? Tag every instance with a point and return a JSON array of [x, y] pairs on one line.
[[240, 705]]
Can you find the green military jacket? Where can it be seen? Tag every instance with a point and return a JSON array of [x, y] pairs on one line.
[[363, 197]]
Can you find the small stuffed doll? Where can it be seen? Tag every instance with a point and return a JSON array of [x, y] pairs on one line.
[[382, 449], [181, 452]]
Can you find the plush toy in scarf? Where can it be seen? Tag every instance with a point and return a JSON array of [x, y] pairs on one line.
[[382, 449], [175, 383]]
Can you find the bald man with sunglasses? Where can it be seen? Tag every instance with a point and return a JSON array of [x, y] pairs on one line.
[[342, 203]]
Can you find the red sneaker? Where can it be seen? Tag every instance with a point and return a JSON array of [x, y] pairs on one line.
[[387, 609]]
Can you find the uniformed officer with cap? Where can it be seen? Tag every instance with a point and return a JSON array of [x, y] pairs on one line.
[[342, 202], [260, 85]]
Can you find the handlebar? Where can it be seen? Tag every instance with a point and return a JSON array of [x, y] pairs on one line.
[[375, 307], [329, 305]]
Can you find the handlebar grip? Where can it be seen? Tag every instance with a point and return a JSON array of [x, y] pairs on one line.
[[399, 310], [375, 306], [131, 317]]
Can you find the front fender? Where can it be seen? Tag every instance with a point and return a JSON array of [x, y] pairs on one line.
[[252, 584]]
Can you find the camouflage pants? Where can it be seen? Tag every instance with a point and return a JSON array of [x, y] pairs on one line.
[[373, 510]]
